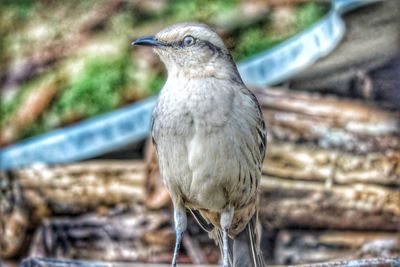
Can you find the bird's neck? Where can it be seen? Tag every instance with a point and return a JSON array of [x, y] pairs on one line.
[[217, 69]]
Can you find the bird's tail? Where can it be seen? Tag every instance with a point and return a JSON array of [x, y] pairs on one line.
[[246, 245]]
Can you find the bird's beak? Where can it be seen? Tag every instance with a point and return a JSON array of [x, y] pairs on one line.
[[146, 41]]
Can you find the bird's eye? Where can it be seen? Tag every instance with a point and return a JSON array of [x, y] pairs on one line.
[[188, 40]]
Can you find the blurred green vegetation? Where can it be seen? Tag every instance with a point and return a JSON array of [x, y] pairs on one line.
[[96, 89], [254, 40], [199, 10], [83, 50]]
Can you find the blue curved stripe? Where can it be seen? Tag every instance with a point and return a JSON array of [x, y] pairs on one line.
[[86, 139]]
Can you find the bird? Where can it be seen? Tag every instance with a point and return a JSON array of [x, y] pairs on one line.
[[210, 138]]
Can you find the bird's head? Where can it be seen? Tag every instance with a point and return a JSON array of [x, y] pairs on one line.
[[190, 49]]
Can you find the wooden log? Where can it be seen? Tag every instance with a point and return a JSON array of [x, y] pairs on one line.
[[329, 121], [374, 262], [133, 235], [13, 228], [136, 234], [8, 263], [300, 247], [13, 217], [77, 188], [305, 204], [38, 262], [293, 161], [38, 192]]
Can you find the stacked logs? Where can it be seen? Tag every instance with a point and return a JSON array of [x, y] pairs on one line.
[[91, 210], [330, 190], [40, 192], [331, 179]]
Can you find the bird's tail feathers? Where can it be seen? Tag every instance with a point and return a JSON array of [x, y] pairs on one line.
[[246, 245]]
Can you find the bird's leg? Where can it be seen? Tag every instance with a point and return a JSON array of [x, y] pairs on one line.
[[180, 227], [226, 220]]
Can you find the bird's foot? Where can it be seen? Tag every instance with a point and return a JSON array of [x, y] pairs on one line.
[[179, 235], [180, 227], [225, 248], [226, 220]]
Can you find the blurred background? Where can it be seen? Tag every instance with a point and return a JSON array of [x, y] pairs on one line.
[[80, 181]]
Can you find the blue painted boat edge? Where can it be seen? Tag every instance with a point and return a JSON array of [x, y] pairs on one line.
[[264, 59], [32, 150]]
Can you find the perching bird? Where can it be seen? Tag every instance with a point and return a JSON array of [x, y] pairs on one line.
[[210, 139]]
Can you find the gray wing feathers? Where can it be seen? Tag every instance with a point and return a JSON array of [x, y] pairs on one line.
[[260, 125]]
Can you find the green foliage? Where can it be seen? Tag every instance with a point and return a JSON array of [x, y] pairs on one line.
[[198, 10], [309, 13], [8, 107], [259, 38], [252, 41], [33, 129], [95, 91], [21, 9]]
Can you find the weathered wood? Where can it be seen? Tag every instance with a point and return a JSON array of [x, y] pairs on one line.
[[134, 235], [13, 227], [375, 262], [77, 188], [8, 263], [305, 204], [299, 247], [37, 262], [14, 218], [329, 121], [38, 192], [292, 161]]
